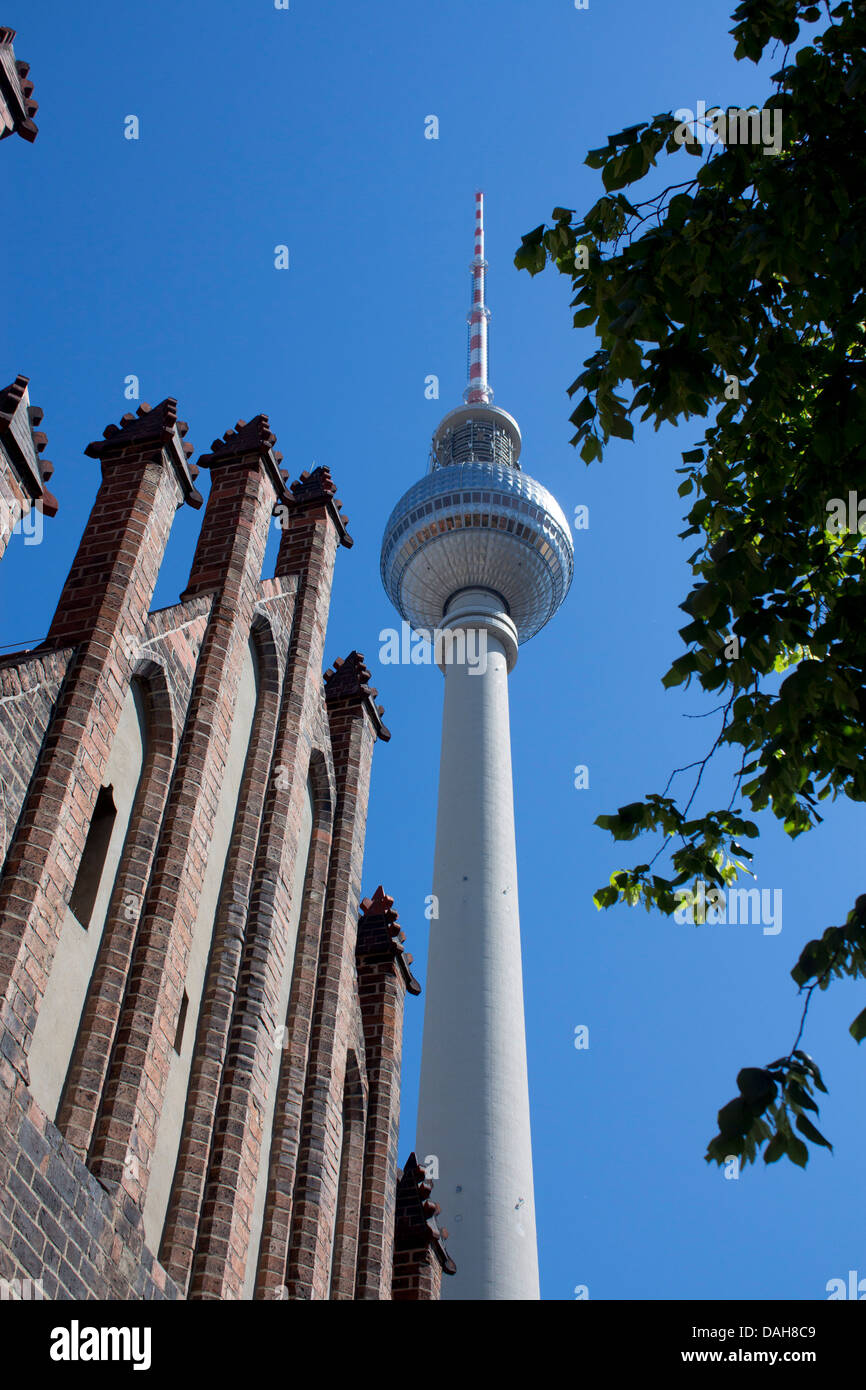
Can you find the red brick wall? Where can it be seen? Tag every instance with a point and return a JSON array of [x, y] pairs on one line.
[[29, 686], [165, 663], [72, 1192], [104, 604], [57, 1224], [235, 529]]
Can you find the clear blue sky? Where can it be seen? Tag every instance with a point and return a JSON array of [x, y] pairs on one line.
[[306, 127]]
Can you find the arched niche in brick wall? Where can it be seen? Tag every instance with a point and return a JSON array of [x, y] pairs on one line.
[[166, 1150], [85, 918], [347, 1216], [89, 1061]]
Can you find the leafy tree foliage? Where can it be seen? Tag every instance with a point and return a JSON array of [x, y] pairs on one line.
[[737, 294], [774, 1100]]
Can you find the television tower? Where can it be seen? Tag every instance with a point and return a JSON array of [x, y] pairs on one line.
[[478, 549]]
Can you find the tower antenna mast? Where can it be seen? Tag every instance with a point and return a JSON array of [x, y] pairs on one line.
[[478, 390]]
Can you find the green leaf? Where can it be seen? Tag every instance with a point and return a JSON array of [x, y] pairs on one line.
[[775, 1148], [605, 897], [735, 1118], [800, 1097], [796, 1149], [757, 1088], [858, 1027], [813, 1069], [806, 1127]]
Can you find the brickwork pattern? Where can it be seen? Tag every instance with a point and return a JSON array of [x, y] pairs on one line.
[[57, 1224], [73, 1186], [420, 1257]]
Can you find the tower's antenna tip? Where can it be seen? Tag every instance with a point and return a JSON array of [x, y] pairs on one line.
[[478, 390]]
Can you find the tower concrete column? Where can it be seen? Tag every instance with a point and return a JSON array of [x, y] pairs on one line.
[[483, 550], [473, 1113]]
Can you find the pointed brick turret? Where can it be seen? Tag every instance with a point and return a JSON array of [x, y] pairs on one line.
[[346, 682], [420, 1256], [230, 518], [207, 1224], [355, 723], [318, 487], [151, 427], [124, 535], [249, 437], [379, 934], [313, 529], [383, 979]]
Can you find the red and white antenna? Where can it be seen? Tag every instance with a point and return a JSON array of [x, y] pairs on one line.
[[479, 390]]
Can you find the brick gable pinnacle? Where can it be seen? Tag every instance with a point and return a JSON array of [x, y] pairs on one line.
[[317, 488], [158, 427], [380, 934], [254, 439], [415, 1219], [347, 681]]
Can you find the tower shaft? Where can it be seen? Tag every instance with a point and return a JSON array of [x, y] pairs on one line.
[[473, 1115], [479, 548]]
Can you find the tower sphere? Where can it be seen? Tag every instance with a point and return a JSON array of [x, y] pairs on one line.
[[477, 521]]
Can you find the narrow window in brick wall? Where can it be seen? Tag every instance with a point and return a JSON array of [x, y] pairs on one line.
[[181, 1023], [93, 859]]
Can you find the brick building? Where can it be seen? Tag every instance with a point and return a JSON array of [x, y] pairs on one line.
[[201, 1018]]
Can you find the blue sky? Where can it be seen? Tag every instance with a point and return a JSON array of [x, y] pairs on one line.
[[155, 257]]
